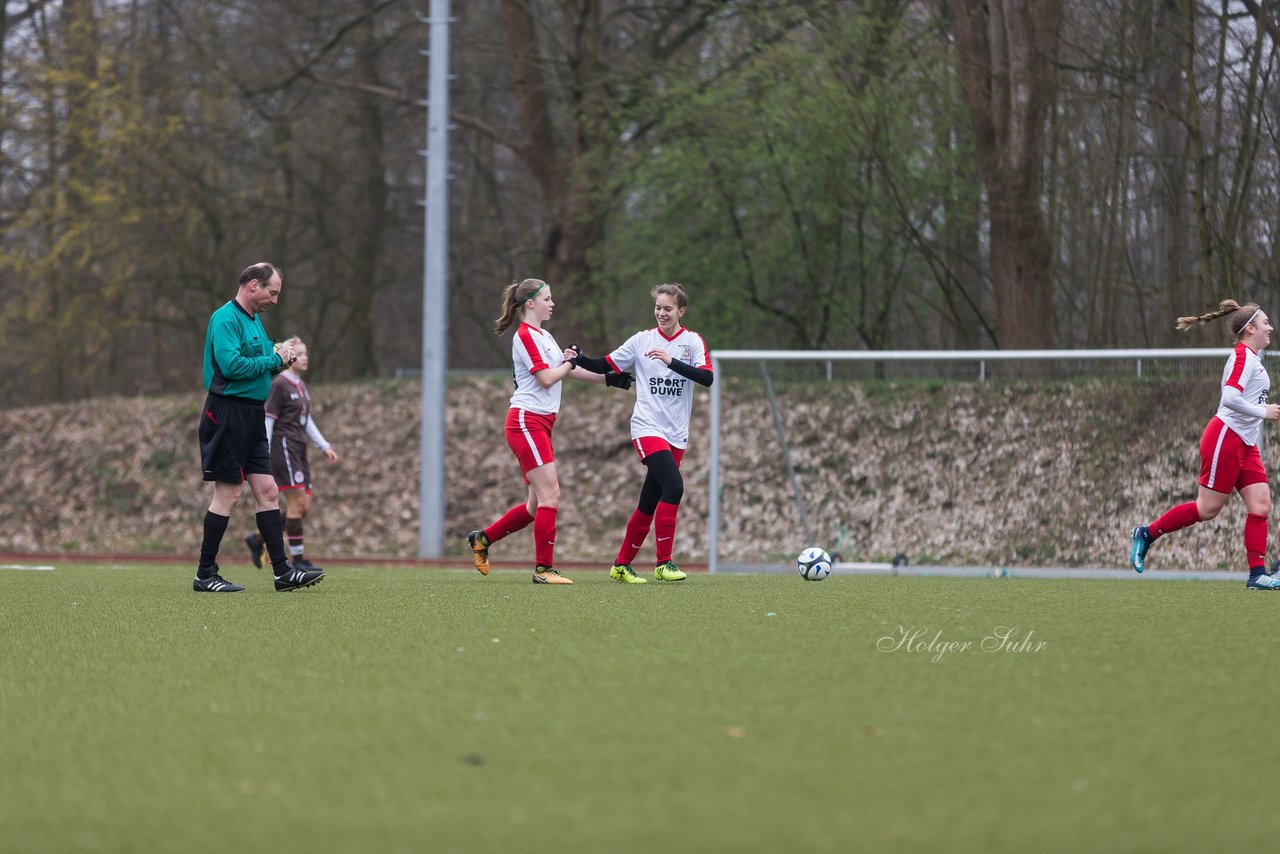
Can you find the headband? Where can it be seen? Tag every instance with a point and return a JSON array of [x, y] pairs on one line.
[[544, 284], [1242, 328]]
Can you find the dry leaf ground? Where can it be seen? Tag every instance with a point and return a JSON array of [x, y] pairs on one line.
[[1022, 474]]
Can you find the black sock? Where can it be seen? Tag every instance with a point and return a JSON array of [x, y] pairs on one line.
[[271, 526], [1255, 571], [214, 527]]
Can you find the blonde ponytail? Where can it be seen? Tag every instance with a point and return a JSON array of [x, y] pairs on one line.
[[514, 296], [1241, 316]]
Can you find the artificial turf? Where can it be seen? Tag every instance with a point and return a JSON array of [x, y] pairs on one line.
[[391, 709]]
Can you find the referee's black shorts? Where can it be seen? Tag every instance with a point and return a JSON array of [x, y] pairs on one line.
[[233, 439]]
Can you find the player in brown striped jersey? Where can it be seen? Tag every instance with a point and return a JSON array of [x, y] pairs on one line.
[[290, 426]]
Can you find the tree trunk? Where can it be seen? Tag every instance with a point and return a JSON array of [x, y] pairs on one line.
[[1007, 66], [1171, 235], [569, 174], [371, 203]]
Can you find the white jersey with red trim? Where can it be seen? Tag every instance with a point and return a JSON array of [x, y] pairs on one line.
[[664, 399], [1245, 389], [533, 349]]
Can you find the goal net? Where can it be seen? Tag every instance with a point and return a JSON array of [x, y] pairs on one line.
[[944, 457]]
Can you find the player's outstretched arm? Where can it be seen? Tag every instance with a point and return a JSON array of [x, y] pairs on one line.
[[587, 376], [547, 377], [594, 364], [596, 369], [701, 376]]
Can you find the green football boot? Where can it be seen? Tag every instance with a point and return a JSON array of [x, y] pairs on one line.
[[668, 571], [626, 574]]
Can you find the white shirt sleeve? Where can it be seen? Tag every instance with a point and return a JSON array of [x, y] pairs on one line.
[[313, 433], [699, 358], [1235, 401], [625, 356]]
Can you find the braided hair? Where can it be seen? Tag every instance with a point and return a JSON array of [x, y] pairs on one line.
[[1241, 316]]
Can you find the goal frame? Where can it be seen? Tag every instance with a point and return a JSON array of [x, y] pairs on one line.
[[719, 358]]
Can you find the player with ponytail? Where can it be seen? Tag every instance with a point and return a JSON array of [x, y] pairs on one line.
[[539, 364], [1229, 457]]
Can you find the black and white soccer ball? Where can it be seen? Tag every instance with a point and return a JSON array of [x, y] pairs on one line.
[[814, 564]]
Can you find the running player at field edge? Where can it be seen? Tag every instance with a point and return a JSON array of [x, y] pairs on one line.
[[1229, 457], [666, 361], [539, 364]]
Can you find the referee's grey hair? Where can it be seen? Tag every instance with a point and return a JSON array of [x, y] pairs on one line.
[[262, 271]]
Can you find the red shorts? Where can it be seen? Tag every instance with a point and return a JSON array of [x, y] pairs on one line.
[[647, 445], [529, 438], [1226, 462]]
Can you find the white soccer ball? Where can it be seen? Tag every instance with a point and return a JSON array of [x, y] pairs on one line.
[[813, 564]]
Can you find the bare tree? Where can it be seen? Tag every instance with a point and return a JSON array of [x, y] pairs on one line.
[[1007, 54]]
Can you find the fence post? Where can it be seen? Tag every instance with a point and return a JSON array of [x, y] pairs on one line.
[[713, 472]]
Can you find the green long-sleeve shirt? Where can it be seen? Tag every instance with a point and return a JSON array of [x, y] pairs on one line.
[[239, 358]]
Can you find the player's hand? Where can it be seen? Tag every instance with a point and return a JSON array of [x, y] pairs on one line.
[[1273, 412], [622, 380], [571, 354], [661, 355], [331, 454]]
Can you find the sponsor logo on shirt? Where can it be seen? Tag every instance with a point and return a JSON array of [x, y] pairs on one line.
[[667, 386]]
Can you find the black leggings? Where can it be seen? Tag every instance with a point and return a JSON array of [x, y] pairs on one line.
[[663, 482]]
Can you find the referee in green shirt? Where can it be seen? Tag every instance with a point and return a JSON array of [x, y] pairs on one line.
[[239, 361]]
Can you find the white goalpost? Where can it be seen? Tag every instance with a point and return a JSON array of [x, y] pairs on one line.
[[948, 365]]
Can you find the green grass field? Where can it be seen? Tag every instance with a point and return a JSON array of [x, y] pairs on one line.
[[418, 710]]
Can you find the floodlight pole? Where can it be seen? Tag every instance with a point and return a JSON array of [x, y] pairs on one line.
[[435, 290]]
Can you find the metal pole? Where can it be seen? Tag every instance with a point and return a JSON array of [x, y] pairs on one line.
[[713, 472], [435, 290]]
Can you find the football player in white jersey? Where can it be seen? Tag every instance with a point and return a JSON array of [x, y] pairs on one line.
[[539, 364], [1229, 456], [667, 361]]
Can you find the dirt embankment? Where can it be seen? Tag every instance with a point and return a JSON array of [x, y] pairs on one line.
[[1018, 475]]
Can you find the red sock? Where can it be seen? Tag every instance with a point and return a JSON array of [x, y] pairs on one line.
[[664, 529], [633, 539], [544, 536], [1255, 540], [513, 520], [1175, 519]]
